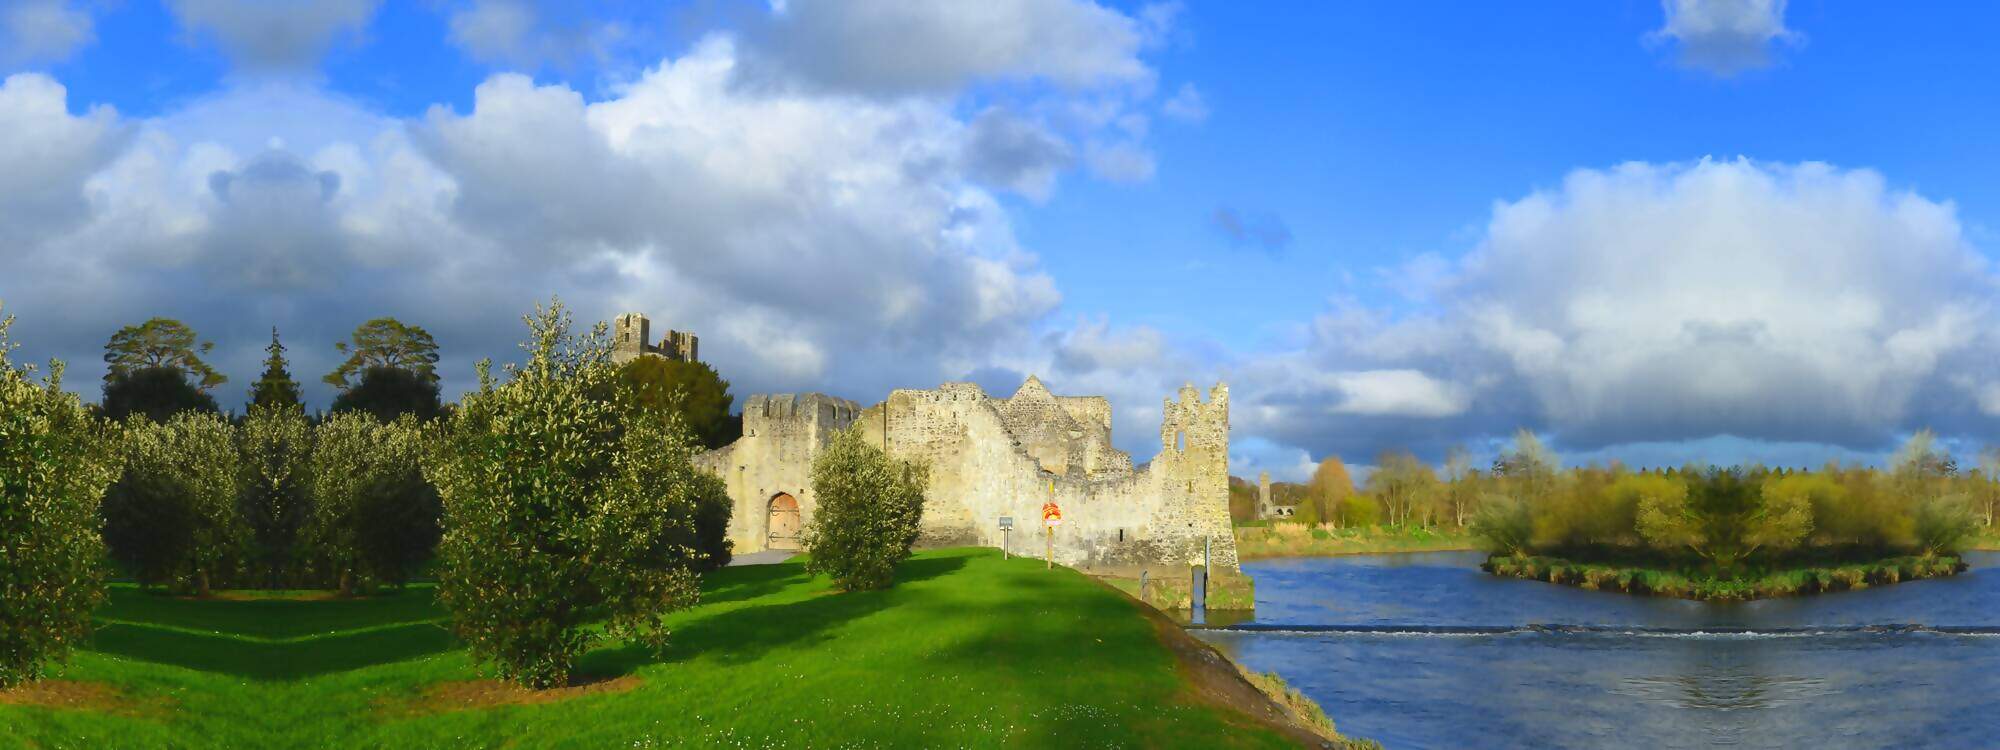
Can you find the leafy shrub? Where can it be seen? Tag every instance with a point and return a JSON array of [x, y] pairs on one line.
[[869, 508], [1505, 524], [374, 516], [55, 462], [1942, 524], [173, 517], [562, 504]]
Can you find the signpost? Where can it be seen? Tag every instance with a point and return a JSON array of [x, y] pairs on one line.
[[1051, 518], [1006, 525]]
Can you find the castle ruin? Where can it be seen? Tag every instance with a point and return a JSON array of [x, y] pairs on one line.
[[1001, 457], [631, 332]]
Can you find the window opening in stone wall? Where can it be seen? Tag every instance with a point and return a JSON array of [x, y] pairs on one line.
[[1180, 440]]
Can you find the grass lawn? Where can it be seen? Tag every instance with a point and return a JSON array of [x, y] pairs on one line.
[[1268, 539], [967, 650]]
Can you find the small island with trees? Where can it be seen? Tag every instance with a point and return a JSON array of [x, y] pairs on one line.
[[1730, 533]]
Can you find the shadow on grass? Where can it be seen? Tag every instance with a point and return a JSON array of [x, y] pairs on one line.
[[259, 660], [271, 618], [750, 582], [746, 635]]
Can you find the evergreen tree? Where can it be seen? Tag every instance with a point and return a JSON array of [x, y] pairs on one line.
[[276, 387]]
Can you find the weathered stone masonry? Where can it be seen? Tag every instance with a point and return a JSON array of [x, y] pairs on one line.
[[993, 457]]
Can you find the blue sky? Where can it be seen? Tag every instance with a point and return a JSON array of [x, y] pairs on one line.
[[1724, 230]]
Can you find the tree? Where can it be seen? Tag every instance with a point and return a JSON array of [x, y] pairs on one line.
[[386, 342], [389, 392], [172, 516], [1784, 514], [275, 388], [1242, 501], [55, 462], [160, 342], [1665, 519], [1528, 469], [564, 505], [691, 390], [1329, 486], [374, 518], [869, 509], [1403, 483], [158, 393], [275, 501], [1461, 491]]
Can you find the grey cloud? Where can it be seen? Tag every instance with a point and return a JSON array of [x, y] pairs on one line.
[[1724, 37], [274, 227], [274, 34], [1006, 150], [519, 34], [938, 46], [42, 30]]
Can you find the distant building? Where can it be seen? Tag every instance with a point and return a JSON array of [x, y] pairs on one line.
[[994, 458], [631, 332]]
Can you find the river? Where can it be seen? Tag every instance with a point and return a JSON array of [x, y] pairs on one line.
[[1425, 651]]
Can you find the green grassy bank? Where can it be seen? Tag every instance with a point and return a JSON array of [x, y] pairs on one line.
[[1266, 539], [1706, 585], [966, 651]]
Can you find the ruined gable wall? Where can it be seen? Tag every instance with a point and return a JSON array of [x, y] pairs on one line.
[[1043, 428], [781, 435]]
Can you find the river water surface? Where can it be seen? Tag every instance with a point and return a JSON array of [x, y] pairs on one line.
[[1426, 651]]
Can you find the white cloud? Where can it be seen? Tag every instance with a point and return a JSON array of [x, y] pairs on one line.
[[1725, 37], [39, 30], [1665, 302], [1120, 161], [1394, 393], [46, 157], [1186, 105], [274, 34], [814, 240]]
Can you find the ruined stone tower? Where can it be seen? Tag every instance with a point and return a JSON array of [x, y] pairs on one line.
[[631, 332], [1264, 509]]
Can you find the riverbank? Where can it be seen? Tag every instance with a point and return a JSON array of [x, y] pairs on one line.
[[1987, 540], [1259, 540], [1692, 585], [966, 650]]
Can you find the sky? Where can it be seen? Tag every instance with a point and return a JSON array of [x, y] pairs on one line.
[[1727, 231]]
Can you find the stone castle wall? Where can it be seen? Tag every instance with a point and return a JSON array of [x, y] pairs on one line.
[[781, 435], [993, 457]]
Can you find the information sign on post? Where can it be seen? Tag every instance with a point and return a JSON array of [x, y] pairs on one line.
[[1006, 525]]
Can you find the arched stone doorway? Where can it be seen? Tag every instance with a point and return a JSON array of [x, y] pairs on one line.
[[784, 523]]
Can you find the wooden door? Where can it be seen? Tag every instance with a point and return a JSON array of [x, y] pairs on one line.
[[784, 523]]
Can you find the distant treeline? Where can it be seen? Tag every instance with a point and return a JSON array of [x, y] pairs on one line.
[[1722, 518], [1525, 503]]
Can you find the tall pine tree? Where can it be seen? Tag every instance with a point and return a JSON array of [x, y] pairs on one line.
[[276, 387]]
